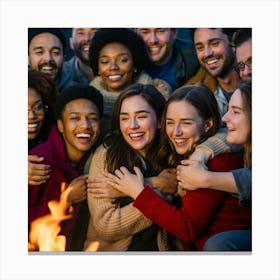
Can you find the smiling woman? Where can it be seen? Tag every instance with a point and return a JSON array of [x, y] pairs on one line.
[[190, 116], [114, 222], [41, 100], [117, 57]]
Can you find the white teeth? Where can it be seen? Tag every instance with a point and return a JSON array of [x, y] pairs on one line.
[[47, 68], [179, 141], [212, 61], [86, 49], [32, 125], [115, 77], [132, 135], [83, 135]]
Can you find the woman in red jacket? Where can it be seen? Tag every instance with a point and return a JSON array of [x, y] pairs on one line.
[[190, 117]]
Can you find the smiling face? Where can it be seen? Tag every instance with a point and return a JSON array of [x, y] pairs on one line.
[[80, 42], [159, 42], [79, 126], [184, 126], [45, 54], [237, 120], [214, 51], [138, 123], [36, 113], [115, 65]]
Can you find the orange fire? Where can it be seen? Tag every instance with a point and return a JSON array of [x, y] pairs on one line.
[[44, 230]]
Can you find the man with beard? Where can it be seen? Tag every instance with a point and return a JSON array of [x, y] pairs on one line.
[[46, 48], [217, 59], [78, 66], [172, 59]]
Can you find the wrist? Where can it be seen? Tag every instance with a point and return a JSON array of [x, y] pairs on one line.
[[202, 154], [136, 191]]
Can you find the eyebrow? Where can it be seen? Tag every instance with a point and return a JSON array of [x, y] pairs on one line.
[[52, 48], [236, 107], [137, 112], [104, 55], [77, 113], [185, 119], [209, 41]]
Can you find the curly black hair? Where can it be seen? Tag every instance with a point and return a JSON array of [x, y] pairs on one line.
[[125, 36]]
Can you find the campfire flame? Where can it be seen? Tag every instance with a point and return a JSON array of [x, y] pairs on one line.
[[44, 231]]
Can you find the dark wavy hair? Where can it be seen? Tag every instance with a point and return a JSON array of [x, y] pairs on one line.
[[125, 36], [201, 97], [119, 153], [241, 36]]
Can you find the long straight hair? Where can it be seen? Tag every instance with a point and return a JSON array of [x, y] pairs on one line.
[[119, 152], [201, 97]]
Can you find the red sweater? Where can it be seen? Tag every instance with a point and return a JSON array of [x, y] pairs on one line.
[[62, 170], [203, 213]]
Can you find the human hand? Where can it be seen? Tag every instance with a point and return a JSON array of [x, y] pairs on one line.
[[126, 182], [166, 181], [202, 155], [191, 175], [99, 188], [37, 173], [77, 190]]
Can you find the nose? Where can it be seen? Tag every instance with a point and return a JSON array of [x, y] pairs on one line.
[[247, 72], [85, 122], [153, 37], [133, 123], [177, 130], [114, 65], [31, 114], [47, 56], [208, 51], [225, 117], [87, 36]]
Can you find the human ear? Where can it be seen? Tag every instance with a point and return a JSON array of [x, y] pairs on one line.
[[60, 125], [71, 43], [208, 124]]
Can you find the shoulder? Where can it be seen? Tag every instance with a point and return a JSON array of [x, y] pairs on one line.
[[226, 162], [69, 64], [99, 156]]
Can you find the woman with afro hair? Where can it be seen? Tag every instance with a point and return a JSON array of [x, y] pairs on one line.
[[118, 57]]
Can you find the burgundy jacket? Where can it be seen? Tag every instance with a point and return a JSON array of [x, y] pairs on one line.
[[203, 213], [54, 153]]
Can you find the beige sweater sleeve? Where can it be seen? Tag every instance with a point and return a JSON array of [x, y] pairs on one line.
[[110, 221], [217, 144]]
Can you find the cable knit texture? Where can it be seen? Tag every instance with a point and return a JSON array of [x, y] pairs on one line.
[[111, 225]]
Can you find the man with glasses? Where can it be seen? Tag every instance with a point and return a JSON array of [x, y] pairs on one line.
[[242, 41]]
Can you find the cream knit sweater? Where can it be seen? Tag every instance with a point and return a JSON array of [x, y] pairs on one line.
[[111, 225]]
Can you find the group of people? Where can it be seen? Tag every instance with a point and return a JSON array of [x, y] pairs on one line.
[[151, 134]]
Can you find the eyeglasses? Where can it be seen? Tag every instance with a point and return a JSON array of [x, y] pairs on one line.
[[38, 109], [241, 65]]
